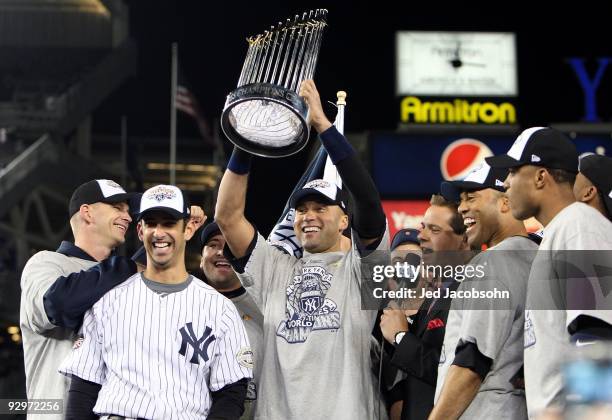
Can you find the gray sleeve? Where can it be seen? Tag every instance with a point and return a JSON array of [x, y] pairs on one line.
[[38, 275], [486, 322], [262, 268]]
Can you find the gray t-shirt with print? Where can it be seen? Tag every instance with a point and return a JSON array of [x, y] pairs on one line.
[[316, 362], [495, 326]]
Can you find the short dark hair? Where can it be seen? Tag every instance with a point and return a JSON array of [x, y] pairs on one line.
[[456, 221], [562, 176]]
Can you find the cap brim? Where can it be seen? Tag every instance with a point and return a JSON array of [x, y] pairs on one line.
[[310, 192], [172, 212], [451, 190], [119, 198], [503, 161]]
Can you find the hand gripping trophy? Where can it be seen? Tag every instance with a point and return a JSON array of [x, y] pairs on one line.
[[265, 115]]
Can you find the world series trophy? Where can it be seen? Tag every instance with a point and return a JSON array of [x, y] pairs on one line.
[[265, 115]]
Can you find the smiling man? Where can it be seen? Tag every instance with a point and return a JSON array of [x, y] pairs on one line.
[[163, 344], [542, 165], [316, 361], [54, 283], [483, 344]]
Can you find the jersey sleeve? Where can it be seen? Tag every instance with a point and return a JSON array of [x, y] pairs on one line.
[[86, 359], [233, 358], [486, 322], [37, 277], [258, 267]]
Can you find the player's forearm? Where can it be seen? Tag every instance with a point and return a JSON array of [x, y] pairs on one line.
[[82, 397], [231, 201], [228, 402], [368, 218], [460, 387], [70, 296]]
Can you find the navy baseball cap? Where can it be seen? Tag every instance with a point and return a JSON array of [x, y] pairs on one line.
[[210, 230], [97, 191], [404, 236], [165, 198], [598, 169], [480, 178], [540, 146], [322, 191]]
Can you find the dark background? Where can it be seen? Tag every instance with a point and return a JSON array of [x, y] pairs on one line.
[[357, 55]]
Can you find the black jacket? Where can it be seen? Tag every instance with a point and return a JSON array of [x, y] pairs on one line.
[[418, 355]]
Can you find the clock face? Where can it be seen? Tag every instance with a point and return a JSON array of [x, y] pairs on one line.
[[456, 63]]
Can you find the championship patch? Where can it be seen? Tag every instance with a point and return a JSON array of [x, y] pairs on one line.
[[530, 337], [77, 343], [161, 193], [244, 357]]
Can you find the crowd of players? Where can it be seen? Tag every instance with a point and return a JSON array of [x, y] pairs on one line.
[[117, 341]]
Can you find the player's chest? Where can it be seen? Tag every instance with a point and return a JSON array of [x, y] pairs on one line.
[[166, 329]]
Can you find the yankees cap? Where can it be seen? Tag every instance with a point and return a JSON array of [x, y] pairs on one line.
[[598, 169], [323, 191], [405, 236], [539, 146], [210, 230], [480, 178], [166, 198], [97, 191]]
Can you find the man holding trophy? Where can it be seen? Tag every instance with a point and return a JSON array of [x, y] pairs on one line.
[[316, 337]]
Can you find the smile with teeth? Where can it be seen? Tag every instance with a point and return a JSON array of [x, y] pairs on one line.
[[222, 264], [469, 222], [123, 228], [310, 229], [161, 244]]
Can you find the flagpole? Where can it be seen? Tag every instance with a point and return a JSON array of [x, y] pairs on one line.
[[173, 84]]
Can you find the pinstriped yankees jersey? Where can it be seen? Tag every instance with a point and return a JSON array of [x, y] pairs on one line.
[[159, 355]]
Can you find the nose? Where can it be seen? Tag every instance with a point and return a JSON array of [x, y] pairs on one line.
[[158, 231], [126, 216], [422, 236], [463, 208]]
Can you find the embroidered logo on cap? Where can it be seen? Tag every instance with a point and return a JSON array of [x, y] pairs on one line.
[[317, 183], [161, 193], [535, 158], [499, 183]]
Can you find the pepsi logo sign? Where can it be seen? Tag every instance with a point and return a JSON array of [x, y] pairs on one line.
[[462, 156]]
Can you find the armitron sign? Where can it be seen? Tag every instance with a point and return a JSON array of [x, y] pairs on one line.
[[413, 110]]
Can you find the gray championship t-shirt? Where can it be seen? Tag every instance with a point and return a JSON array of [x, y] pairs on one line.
[[316, 363], [44, 344], [547, 341], [495, 326]]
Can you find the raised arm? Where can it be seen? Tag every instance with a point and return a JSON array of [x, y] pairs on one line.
[[369, 220], [229, 212]]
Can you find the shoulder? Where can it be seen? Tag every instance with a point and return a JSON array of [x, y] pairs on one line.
[[117, 291], [516, 243]]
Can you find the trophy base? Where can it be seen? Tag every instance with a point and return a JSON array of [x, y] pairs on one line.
[[266, 120]]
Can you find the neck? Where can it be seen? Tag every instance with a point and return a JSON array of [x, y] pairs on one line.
[[507, 229], [560, 199], [170, 275], [89, 245]]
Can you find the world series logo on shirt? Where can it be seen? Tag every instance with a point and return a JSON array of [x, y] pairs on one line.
[[307, 307]]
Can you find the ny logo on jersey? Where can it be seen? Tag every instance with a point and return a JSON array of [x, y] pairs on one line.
[[189, 337]]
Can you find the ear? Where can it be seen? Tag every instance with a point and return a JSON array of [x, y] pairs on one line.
[[588, 193], [139, 230], [85, 212], [540, 177], [344, 222], [503, 204], [189, 230]]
